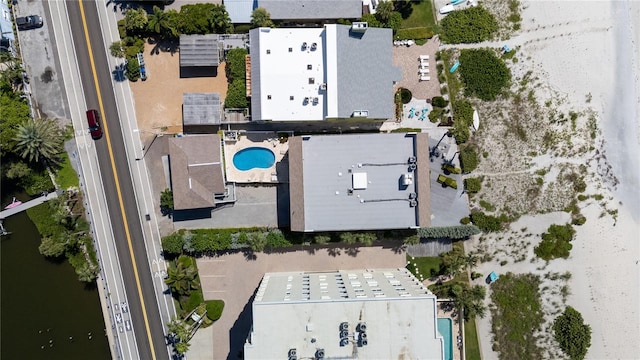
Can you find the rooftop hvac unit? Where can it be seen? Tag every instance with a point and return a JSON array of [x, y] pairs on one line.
[[323, 86], [344, 334], [294, 357], [304, 45], [293, 352], [412, 160], [363, 335], [344, 342], [364, 342], [359, 26], [413, 196], [344, 326], [413, 167], [320, 354], [362, 327], [413, 203], [314, 46], [407, 179]]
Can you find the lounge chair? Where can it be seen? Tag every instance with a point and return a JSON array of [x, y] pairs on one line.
[[423, 71], [424, 57], [425, 78]]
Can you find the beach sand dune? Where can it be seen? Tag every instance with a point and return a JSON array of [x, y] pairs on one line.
[[588, 52]]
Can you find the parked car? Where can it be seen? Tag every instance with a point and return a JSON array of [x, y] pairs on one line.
[[93, 118], [29, 22]]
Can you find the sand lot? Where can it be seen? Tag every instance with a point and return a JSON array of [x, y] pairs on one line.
[[158, 100]]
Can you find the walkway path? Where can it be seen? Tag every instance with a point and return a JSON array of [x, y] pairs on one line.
[[28, 205]]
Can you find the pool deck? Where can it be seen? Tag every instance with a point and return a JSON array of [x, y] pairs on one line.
[[278, 173], [456, 329]]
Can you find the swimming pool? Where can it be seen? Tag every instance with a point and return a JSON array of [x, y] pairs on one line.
[[254, 157], [444, 328]]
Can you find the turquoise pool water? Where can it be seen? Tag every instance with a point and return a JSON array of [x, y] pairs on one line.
[[254, 157], [445, 329]]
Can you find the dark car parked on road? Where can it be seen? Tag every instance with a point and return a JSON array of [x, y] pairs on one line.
[[29, 22]]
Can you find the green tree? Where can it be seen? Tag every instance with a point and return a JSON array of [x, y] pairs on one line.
[[18, 170], [160, 23], [219, 20], [38, 140], [13, 112], [179, 335], [166, 200], [52, 246], [384, 11], [257, 241], [117, 49], [572, 334], [173, 244], [468, 159], [260, 17], [371, 20], [135, 21], [472, 301], [194, 18], [453, 263], [182, 278], [473, 185], [555, 242], [394, 22], [486, 223], [133, 69], [86, 272]]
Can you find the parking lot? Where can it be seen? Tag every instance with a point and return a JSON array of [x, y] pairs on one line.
[[235, 277]]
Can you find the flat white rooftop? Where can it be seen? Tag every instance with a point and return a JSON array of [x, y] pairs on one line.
[[292, 65], [325, 311]]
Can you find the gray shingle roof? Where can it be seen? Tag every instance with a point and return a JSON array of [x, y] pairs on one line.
[[199, 50], [365, 72], [196, 171], [312, 9], [201, 109], [326, 197]]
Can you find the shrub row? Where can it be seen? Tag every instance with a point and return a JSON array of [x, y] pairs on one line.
[[487, 223], [473, 185], [414, 34], [448, 232], [468, 159], [471, 25], [484, 74]]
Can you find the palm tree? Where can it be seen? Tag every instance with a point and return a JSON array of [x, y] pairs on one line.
[[181, 279], [39, 139], [219, 20], [384, 10], [160, 23]]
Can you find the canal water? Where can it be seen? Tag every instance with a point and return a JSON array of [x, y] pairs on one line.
[[46, 313]]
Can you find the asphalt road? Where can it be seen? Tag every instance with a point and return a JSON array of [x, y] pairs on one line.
[[113, 133]]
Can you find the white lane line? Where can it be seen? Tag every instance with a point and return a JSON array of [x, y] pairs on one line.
[[81, 137], [126, 90]]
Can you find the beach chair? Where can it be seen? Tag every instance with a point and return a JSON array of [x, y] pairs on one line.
[[423, 71], [425, 78], [424, 57]]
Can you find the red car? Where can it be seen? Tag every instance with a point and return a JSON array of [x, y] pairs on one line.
[[93, 118]]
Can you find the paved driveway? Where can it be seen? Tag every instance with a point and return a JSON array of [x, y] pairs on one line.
[[234, 278]]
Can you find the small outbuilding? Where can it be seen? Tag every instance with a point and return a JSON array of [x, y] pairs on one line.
[[199, 55], [201, 113]]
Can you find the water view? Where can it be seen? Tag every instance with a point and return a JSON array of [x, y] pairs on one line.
[[46, 313]]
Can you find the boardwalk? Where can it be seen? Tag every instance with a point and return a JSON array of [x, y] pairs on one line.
[[27, 205]]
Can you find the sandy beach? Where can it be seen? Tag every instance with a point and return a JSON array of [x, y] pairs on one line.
[[584, 57]]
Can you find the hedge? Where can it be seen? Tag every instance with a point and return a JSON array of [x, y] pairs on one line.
[[471, 25], [449, 232], [214, 309], [555, 242], [468, 159], [487, 223], [414, 33]]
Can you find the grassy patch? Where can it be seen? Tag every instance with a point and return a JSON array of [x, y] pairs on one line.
[[472, 348], [516, 316], [416, 14], [406, 130], [66, 177], [424, 266]]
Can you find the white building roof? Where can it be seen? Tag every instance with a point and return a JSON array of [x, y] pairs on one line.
[[305, 312], [318, 73]]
